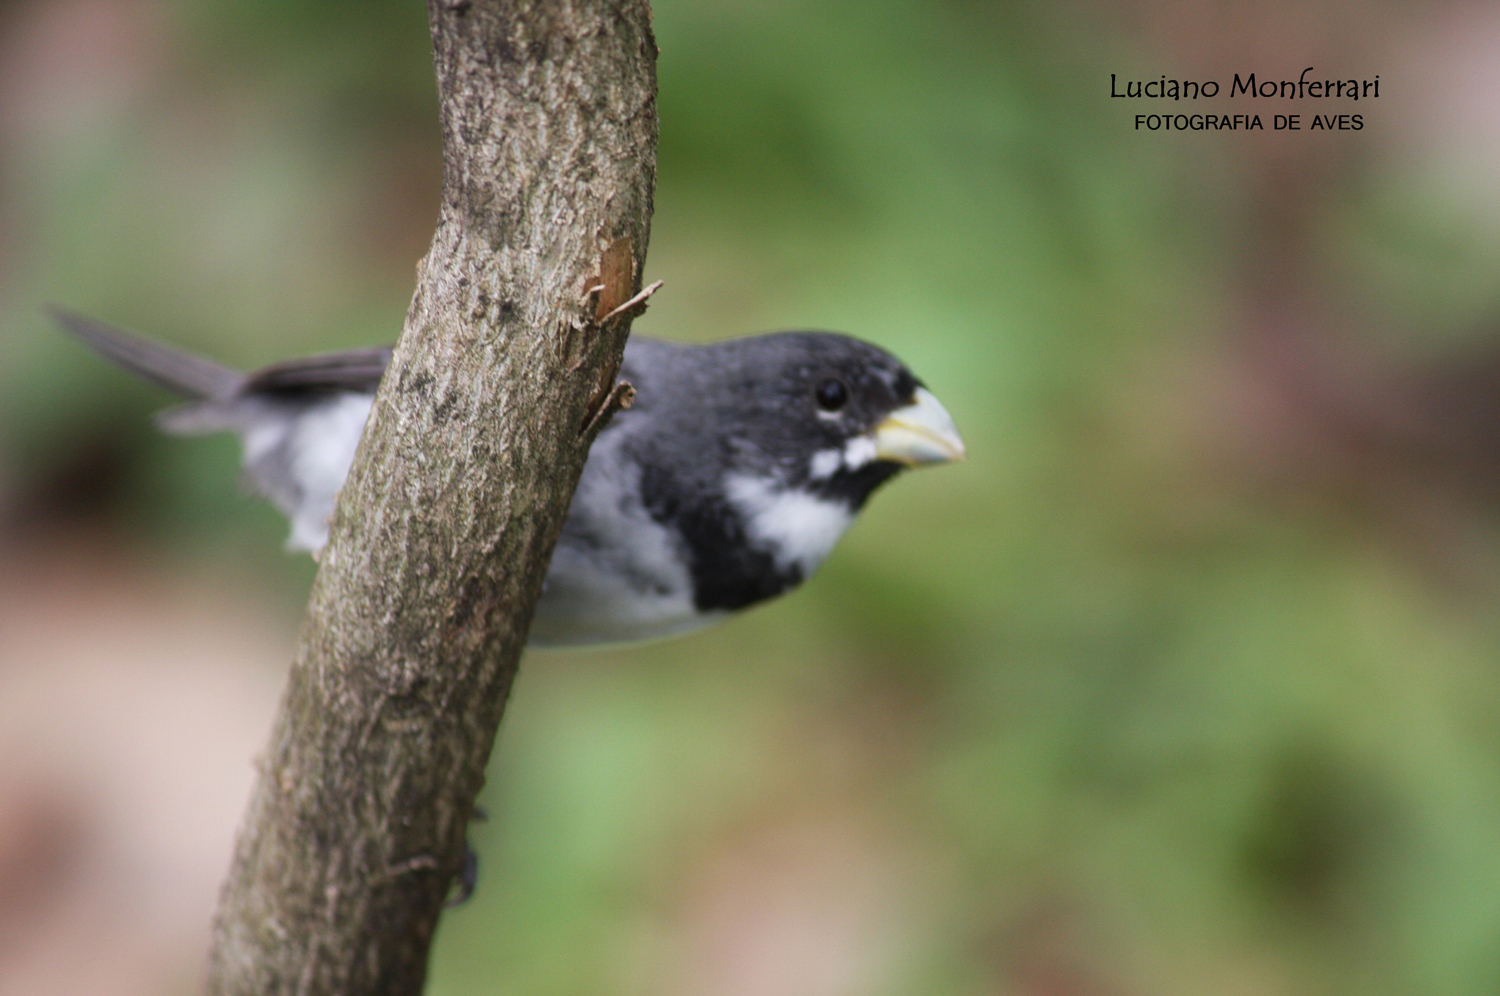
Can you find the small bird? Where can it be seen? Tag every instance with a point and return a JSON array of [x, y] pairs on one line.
[[728, 481]]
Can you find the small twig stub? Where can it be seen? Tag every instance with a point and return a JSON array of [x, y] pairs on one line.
[[636, 301], [620, 397]]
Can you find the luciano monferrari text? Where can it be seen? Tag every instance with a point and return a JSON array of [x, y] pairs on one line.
[[1300, 88]]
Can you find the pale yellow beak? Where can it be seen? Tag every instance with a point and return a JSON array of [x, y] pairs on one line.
[[919, 434]]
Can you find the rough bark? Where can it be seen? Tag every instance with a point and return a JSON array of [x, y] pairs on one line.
[[504, 372]]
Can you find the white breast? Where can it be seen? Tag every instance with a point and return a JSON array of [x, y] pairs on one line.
[[320, 451], [617, 575]]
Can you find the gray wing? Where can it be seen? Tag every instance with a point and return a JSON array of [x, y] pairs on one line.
[[180, 372], [177, 371], [357, 370], [299, 421]]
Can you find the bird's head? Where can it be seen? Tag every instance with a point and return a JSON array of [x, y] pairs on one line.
[[831, 415]]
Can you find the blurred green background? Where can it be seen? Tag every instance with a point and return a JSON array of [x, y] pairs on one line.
[[1187, 682]]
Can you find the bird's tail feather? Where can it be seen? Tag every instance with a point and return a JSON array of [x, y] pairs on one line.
[[176, 370]]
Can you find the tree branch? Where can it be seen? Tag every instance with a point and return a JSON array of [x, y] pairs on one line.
[[444, 528]]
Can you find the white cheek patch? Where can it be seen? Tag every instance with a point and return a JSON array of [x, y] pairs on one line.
[[824, 463], [856, 453], [859, 451], [795, 527]]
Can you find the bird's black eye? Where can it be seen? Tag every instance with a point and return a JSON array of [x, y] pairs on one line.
[[832, 394]]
